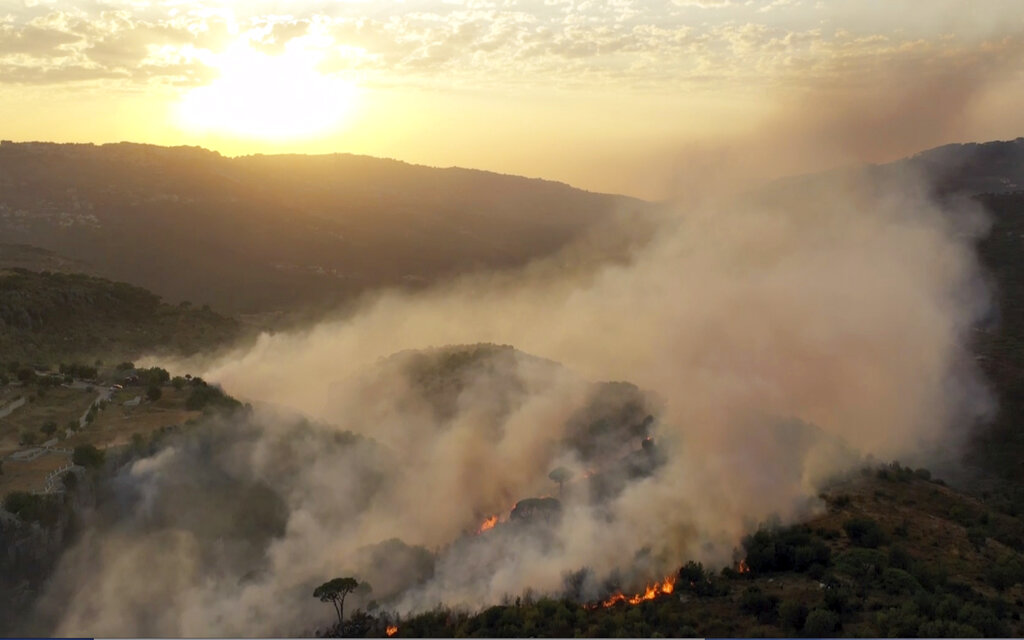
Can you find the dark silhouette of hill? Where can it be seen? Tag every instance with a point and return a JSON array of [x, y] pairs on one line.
[[989, 167], [266, 233], [992, 175], [55, 317], [999, 447], [953, 169]]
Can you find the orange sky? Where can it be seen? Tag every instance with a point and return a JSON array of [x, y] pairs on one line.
[[637, 96]]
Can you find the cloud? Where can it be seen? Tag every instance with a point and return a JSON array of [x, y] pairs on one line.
[[33, 41], [650, 45]]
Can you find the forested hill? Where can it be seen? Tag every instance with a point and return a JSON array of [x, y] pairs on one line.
[[266, 233], [999, 446], [47, 318]]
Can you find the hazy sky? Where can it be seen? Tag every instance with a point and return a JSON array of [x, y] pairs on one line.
[[639, 96]]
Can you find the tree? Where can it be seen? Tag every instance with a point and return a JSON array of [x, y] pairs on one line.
[[561, 475], [49, 428], [864, 532], [820, 622], [87, 455], [793, 614], [153, 392], [334, 591]]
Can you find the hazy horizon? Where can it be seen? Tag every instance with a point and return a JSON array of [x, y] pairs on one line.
[[640, 98]]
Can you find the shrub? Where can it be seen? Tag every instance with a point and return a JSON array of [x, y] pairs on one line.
[[861, 563], [785, 550], [793, 614], [900, 622], [32, 508], [1006, 572], [897, 581], [864, 532], [820, 622], [204, 395], [87, 455], [758, 603], [983, 619], [900, 558]]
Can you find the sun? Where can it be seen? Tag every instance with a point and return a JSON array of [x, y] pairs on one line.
[[259, 96]]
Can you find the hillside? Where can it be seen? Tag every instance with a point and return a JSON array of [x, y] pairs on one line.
[[992, 175], [999, 447], [987, 167], [46, 318], [895, 554], [267, 233], [891, 551]]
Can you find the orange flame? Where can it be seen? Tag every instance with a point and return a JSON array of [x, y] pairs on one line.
[[651, 592], [392, 630], [487, 524], [742, 567]]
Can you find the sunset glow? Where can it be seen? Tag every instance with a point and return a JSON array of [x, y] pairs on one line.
[[629, 97], [259, 96]]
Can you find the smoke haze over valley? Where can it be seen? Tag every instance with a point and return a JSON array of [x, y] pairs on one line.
[[776, 343], [313, 392]]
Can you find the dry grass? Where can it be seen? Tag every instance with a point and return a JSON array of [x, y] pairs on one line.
[[114, 426], [30, 475], [58, 404]]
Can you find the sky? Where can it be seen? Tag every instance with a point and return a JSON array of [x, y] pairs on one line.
[[645, 97]]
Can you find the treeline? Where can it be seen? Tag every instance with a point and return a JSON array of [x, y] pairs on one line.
[[50, 317]]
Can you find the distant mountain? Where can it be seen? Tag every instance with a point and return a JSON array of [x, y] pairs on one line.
[[26, 256], [962, 169], [989, 167], [46, 318], [266, 233]]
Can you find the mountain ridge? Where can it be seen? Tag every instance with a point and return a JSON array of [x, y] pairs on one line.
[[270, 233]]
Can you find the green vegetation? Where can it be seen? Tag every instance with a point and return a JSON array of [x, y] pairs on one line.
[[560, 476], [213, 242], [52, 317], [845, 573], [334, 591], [998, 448], [206, 396], [42, 509], [87, 455]]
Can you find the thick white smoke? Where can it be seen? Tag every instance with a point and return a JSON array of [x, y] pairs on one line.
[[776, 340]]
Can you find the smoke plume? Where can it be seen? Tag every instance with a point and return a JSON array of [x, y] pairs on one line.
[[773, 341]]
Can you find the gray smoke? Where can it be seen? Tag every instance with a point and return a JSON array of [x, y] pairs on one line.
[[774, 342]]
